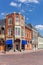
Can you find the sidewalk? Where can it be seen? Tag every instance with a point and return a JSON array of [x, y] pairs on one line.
[[18, 52]]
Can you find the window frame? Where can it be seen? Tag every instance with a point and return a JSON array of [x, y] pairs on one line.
[[17, 18], [17, 31], [9, 31], [10, 21]]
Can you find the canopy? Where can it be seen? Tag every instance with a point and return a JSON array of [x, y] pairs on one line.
[[9, 41], [24, 42]]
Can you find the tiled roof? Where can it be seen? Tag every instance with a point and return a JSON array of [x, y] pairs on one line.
[[28, 26]]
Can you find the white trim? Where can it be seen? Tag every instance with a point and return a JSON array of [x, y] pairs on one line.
[[20, 31]]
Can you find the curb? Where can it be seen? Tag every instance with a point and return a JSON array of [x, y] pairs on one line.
[[22, 52]]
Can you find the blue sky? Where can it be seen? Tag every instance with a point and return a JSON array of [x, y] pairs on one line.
[[31, 9]]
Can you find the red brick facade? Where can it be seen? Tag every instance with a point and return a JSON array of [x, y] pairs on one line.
[[27, 31], [28, 37]]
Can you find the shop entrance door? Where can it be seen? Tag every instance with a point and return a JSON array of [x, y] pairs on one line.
[[9, 47], [23, 46], [17, 41], [16, 47]]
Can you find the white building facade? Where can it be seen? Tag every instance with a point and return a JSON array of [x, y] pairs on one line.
[[40, 42]]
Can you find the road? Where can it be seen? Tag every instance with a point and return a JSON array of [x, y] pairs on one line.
[[33, 58]]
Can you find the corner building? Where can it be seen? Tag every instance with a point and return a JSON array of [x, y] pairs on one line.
[[15, 32]]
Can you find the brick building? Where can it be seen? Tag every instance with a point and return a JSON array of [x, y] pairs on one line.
[[16, 32], [28, 37], [15, 29], [34, 37], [2, 37], [18, 35]]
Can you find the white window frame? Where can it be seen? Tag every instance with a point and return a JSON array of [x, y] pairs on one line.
[[9, 31], [18, 27], [17, 18], [22, 32], [10, 20]]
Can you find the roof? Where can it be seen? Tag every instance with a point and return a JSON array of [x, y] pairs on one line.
[[2, 22], [32, 27], [28, 26]]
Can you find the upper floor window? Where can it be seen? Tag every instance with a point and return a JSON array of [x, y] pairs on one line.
[[17, 31], [9, 21], [30, 35], [9, 31], [17, 19], [22, 32]]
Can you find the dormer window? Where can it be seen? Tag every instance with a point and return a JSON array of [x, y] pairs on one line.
[[10, 21]]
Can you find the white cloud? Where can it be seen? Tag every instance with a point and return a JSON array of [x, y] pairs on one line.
[[39, 27], [19, 5], [30, 10], [22, 0], [2, 13], [27, 18], [30, 1], [13, 4], [34, 1]]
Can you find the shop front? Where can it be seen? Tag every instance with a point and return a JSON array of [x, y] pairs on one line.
[[17, 44], [24, 42], [9, 44], [28, 46], [2, 45]]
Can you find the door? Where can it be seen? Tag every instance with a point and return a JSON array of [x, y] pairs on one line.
[[23, 46]]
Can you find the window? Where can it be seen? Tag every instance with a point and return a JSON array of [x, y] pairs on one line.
[[9, 21], [2, 30], [30, 35], [22, 32], [17, 19], [17, 31], [10, 31]]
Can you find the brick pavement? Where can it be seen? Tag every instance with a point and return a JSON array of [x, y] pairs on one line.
[[33, 58]]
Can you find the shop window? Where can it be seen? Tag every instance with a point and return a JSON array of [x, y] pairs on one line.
[[30, 41]]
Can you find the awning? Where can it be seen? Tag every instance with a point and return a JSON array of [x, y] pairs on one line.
[[9, 41], [24, 42]]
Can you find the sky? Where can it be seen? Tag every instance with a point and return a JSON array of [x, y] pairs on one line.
[[31, 9]]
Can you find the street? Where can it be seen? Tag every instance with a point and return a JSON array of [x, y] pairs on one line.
[[33, 58]]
